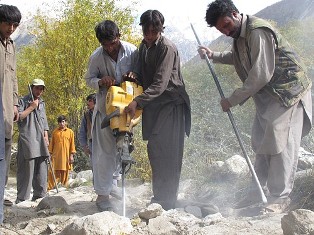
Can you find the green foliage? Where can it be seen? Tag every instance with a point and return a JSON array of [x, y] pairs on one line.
[[82, 162], [141, 169], [212, 136]]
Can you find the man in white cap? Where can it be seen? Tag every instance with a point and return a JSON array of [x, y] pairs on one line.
[[32, 144]]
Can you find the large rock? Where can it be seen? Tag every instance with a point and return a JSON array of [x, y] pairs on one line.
[[298, 222], [152, 211], [55, 204], [235, 168], [102, 223]]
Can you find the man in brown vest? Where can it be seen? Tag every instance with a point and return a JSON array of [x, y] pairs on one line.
[[275, 78]]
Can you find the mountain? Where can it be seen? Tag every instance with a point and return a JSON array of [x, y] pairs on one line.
[[286, 11], [23, 36]]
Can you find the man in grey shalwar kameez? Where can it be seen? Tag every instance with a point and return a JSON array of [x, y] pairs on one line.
[[106, 67], [2, 158], [274, 77], [32, 145], [166, 108]]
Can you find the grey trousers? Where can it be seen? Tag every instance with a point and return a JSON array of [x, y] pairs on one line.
[[165, 153], [277, 172], [31, 173], [2, 185], [104, 160], [8, 147]]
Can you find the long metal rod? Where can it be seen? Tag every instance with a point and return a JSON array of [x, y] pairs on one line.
[[264, 199], [52, 172]]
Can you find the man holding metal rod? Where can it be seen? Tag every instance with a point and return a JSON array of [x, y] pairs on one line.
[[274, 77], [32, 144]]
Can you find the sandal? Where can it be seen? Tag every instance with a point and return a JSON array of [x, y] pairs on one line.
[[7, 202], [105, 205]]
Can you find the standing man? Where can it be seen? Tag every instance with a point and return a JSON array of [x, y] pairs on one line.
[[166, 108], [2, 158], [85, 136], [108, 63], [275, 78], [32, 144], [10, 18], [62, 150]]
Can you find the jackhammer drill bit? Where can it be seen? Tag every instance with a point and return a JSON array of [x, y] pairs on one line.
[[126, 160]]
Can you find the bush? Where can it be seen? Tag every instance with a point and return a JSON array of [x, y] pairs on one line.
[[81, 161]]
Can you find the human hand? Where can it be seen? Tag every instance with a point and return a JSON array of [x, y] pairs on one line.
[[86, 150], [202, 51], [16, 114], [34, 104], [71, 158], [131, 108], [225, 104], [106, 81], [130, 76], [47, 141]]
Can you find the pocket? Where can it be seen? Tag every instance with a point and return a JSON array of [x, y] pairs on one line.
[[289, 89], [285, 82]]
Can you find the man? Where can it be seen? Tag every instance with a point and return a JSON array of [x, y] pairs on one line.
[[166, 108], [2, 158], [10, 18], [62, 150], [107, 65], [32, 144], [85, 137], [274, 77]]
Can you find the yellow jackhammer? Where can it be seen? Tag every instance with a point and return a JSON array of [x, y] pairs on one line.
[[118, 97]]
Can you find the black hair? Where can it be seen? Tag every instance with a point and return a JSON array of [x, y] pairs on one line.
[[91, 97], [152, 18], [107, 30], [61, 118], [217, 9], [9, 13], [34, 85]]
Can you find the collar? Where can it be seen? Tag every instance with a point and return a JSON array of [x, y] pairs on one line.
[[6, 41], [243, 26], [155, 43]]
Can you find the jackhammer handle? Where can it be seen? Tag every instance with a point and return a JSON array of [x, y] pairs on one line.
[[128, 120]]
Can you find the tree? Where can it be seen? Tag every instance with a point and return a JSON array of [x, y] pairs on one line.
[[61, 52], [60, 56]]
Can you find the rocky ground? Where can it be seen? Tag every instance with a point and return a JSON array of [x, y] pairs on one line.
[[202, 208], [79, 207]]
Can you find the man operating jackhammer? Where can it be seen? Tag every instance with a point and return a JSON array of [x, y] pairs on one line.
[[107, 64]]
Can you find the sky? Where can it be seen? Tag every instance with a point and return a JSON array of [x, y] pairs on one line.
[[177, 8], [176, 12]]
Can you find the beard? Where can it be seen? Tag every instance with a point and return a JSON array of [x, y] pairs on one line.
[[237, 30]]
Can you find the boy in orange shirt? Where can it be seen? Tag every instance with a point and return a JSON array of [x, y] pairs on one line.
[[62, 150]]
